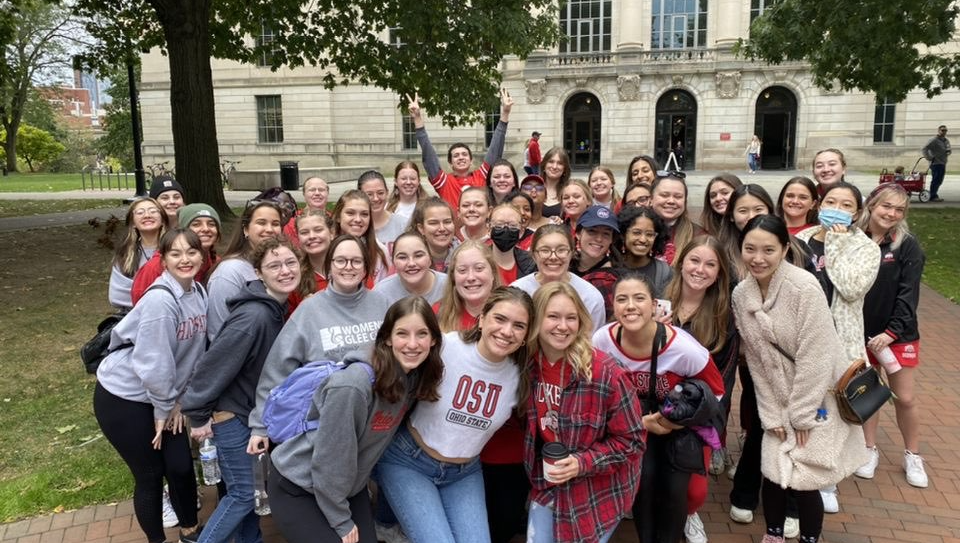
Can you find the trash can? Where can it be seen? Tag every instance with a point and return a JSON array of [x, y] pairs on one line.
[[289, 175]]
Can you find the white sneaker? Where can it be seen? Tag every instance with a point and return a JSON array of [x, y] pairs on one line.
[[743, 516], [830, 503], [868, 470], [693, 530], [169, 515], [913, 465], [791, 528]]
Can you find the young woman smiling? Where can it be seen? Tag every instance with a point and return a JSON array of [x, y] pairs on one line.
[[555, 172], [470, 280], [890, 321], [315, 232], [829, 168], [581, 497], [205, 222], [802, 452], [669, 200], [414, 277], [433, 219], [642, 169], [474, 214], [533, 186], [603, 188], [260, 221], [715, 200], [318, 486], [575, 199], [326, 326], [353, 215], [407, 190], [145, 226], [797, 204], [222, 390], [431, 471], [644, 237], [501, 180], [136, 399], [661, 504], [553, 250], [386, 225]]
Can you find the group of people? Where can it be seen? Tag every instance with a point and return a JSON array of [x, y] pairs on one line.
[[538, 355]]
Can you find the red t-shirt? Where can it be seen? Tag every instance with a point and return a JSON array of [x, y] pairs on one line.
[[294, 299], [547, 395], [449, 186], [508, 276]]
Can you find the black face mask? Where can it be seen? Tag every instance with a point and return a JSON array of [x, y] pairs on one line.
[[505, 238]]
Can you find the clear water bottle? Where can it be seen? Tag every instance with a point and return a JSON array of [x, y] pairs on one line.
[[261, 469], [208, 462]]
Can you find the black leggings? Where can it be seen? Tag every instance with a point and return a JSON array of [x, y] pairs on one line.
[[128, 426], [809, 505], [299, 519], [660, 508], [506, 487]]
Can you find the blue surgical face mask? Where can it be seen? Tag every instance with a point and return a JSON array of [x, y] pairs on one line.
[[831, 216]]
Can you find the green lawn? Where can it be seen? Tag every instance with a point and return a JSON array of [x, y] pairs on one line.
[[936, 229], [24, 208], [57, 182]]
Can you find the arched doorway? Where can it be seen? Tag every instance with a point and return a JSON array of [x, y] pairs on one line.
[[676, 124], [776, 126], [581, 129]]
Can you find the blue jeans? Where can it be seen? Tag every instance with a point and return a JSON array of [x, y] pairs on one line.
[[436, 502], [937, 173], [234, 517], [540, 525], [752, 162]]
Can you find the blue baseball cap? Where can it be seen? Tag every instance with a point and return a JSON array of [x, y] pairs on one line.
[[598, 216]]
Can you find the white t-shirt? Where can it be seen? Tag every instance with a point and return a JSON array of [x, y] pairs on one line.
[[589, 295], [476, 398], [389, 232], [405, 210], [392, 287]]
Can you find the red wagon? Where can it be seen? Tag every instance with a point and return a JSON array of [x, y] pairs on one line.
[[914, 183]]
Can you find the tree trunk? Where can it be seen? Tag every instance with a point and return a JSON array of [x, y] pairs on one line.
[[10, 145], [186, 26]]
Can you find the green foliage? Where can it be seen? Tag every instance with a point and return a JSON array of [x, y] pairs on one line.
[[935, 229], [80, 152], [36, 146], [117, 139], [887, 47]]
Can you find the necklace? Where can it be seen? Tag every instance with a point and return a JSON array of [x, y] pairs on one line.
[[551, 419]]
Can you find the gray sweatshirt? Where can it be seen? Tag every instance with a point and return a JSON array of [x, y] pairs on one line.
[[326, 326], [226, 282], [392, 287], [334, 462], [121, 285], [168, 334]]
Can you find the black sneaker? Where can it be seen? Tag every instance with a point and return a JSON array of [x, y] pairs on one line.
[[937, 199], [191, 538]]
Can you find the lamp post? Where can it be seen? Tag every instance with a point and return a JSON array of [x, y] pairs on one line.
[[138, 174]]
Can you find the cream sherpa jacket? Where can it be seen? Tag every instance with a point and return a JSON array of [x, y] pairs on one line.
[[795, 316], [852, 262]]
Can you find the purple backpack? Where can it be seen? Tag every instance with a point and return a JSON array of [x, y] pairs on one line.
[[286, 409]]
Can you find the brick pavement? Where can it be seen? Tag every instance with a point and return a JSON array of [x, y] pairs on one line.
[[882, 510]]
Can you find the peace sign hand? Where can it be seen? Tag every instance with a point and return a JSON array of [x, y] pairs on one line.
[[413, 106], [506, 104]]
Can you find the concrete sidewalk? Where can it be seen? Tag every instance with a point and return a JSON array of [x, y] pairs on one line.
[[882, 510]]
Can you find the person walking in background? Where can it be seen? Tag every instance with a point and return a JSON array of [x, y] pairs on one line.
[[753, 154], [936, 151], [531, 156]]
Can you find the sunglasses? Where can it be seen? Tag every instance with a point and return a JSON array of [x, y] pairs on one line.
[[671, 173]]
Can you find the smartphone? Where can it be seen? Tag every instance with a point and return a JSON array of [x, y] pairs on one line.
[[663, 307]]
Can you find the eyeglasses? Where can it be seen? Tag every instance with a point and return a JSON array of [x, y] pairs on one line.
[[146, 211], [671, 173], [510, 225], [321, 190], [638, 202], [546, 252], [275, 267], [533, 187], [342, 262]]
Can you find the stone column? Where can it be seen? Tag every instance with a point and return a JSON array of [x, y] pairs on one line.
[[630, 23], [728, 14]]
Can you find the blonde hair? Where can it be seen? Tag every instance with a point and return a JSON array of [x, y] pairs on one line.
[[580, 352], [615, 195], [451, 305], [899, 232]]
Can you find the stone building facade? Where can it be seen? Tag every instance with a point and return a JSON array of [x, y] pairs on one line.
[[635, 77]]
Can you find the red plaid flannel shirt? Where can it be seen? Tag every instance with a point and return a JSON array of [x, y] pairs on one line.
[[600, 422]]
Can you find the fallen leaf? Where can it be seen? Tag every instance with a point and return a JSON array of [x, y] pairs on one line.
[[65, 429]]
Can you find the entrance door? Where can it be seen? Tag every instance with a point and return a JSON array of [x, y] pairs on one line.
[[776, 127], [581, 130], [676, 129]]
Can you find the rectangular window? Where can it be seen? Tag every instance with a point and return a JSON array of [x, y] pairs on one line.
[[409, 133], [269, 119], [679, 24], [394, 39], [492, 120], [757, 7], [586, 24], [264, 41], [883, 121]]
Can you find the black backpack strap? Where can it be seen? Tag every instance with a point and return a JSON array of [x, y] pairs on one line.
[[659, 339]]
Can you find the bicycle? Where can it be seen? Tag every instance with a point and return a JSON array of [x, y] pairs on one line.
[[159, 168], [227, 167]]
